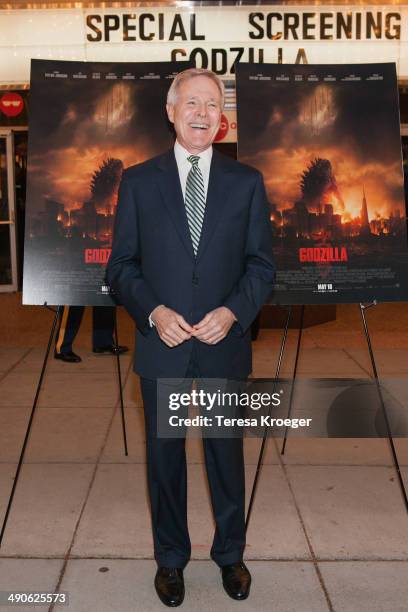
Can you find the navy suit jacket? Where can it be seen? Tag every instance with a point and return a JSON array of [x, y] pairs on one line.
[[153, 262]]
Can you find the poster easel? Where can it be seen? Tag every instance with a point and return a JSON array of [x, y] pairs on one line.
[[58, 314], [362, 308]]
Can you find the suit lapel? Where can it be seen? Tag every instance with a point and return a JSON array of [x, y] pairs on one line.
[[170, 188], [217, 195]]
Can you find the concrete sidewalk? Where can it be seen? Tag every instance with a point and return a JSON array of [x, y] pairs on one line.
[[328, 529]]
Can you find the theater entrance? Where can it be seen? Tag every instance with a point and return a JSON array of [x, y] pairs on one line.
[[8, 233]]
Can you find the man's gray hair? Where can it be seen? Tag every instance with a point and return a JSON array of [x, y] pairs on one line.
[[190, 73]]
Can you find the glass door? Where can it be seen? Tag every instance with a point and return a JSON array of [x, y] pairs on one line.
[[8, 258]]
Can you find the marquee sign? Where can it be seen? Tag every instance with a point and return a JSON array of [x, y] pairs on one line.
[[210, 36]]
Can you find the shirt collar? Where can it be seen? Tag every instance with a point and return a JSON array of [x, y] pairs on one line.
[[182, 154]]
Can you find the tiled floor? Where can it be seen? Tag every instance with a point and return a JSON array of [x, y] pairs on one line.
[[328, 531]]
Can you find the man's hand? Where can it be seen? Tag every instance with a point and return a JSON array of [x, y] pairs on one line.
[[172, 328], [215, 325]]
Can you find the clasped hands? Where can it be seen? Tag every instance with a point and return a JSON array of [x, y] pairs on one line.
[[173, 329]]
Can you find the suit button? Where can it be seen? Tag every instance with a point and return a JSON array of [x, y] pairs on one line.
[[195, 279]]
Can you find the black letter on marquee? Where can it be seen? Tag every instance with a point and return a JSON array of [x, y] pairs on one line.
[[373, 26], [396, 33], [291, 24], [107, 21], [344, 25], [142, 34], [325, 27], [269, 18], [127, 27], [94, 28], [204, 57], [308, 26], [193, 34], [301, 55], [251, 56], [161, 26], [239, 51], [177, 25], [260, 34], [358, 26], [175, 52], [214, 57]]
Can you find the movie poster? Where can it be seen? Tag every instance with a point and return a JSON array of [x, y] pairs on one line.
[[88, 121], [327, 140]]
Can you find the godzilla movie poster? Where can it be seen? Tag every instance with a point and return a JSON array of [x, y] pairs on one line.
[[88, 121], [327, 140]]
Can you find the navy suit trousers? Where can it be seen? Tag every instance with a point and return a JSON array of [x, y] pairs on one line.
[[167, 483]]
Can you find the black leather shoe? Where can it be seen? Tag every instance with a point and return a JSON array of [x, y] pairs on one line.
[[69, 357], [169, 583], [236, 580], [111, 348]]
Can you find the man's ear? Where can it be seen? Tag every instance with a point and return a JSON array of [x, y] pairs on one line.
[[170, 112]]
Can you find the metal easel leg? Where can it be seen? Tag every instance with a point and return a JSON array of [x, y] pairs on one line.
[[265, 434], [363, 308], [58, 313], [122, 411], [292, 388]]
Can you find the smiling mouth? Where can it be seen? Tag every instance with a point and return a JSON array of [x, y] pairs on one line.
[[199, 126]]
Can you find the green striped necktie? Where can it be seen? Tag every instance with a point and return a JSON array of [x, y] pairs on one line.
[[195, 201]]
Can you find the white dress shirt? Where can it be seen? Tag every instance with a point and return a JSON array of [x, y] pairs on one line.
[[184, 166]]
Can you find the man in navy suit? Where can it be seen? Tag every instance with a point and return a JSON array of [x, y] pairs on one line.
[[192, 263]]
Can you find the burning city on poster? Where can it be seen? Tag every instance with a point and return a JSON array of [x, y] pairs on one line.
[[327, 142]]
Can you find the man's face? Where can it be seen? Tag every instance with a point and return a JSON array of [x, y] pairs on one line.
[[196, 114]]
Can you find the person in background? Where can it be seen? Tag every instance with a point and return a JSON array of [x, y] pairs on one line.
[[103, 325]]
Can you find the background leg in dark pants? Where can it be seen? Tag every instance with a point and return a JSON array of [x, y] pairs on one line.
[[68, 328], [103, 321], [103, 326]]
